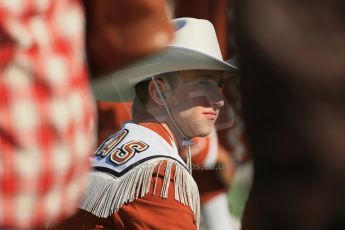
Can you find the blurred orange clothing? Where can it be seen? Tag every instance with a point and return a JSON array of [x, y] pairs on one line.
[[110, 117]]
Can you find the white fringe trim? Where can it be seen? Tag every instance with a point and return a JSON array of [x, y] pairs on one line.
[[106, 194]]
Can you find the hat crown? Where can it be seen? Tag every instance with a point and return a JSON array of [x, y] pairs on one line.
[[195, 47], [198, 35]]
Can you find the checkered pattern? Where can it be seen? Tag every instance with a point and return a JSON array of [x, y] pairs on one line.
[[46, 111]]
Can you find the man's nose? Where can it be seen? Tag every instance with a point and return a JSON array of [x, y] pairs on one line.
[[217, 102]]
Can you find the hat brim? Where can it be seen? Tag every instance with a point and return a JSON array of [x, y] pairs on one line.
[[119, 86]]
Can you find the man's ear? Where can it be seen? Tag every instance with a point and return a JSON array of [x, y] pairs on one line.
[[153, 92]]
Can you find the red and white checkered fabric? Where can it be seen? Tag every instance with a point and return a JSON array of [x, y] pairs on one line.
[[46, 111]]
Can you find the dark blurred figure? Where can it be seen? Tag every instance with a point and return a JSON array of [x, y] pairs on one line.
[[293, 85]]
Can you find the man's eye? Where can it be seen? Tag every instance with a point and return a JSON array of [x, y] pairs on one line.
[[209, 83], [204, 83], [220, 83]]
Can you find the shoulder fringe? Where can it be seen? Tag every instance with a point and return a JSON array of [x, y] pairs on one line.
[[106, 193]]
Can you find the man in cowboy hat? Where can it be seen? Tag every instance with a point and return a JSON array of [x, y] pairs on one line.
[[140, 179]]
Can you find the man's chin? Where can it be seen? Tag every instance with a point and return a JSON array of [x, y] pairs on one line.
[[202, 132]]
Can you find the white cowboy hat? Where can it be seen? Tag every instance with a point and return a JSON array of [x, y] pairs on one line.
[[233, 61], [195, 46]]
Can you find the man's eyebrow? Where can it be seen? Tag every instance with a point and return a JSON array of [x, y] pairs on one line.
[[205, 76], [209, 76]]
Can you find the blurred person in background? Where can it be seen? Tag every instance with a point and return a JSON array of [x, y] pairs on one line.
[[46, 109], [46, 112], [292, 61], [113, 114]]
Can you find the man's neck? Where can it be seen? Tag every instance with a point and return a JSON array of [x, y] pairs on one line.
[[143, 116], [173, 135]]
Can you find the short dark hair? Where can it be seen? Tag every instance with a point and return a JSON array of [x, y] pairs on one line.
[[141, 90]]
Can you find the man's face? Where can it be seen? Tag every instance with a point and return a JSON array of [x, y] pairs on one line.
[[194, 99]]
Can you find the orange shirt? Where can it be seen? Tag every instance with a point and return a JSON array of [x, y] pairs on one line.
[[148, 212]]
